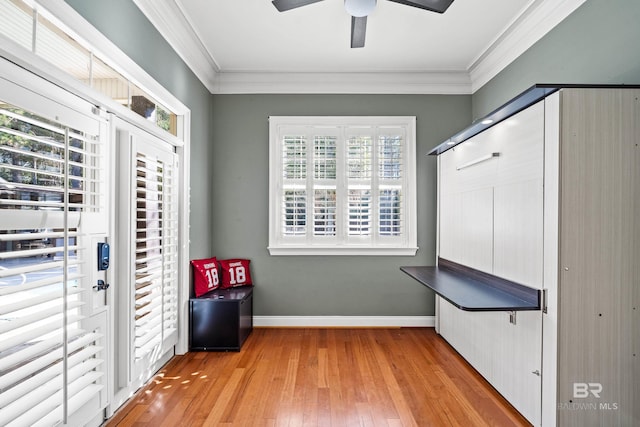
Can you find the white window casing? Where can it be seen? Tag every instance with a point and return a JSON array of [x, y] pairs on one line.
[[342, 186]]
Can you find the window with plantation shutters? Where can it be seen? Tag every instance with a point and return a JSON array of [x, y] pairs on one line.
[[146, 249], [51, 191], [342, 185], [156, 254]]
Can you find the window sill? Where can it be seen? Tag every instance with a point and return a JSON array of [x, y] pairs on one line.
[[341, 251]]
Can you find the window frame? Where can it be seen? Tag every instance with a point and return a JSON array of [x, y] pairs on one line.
[[343, 243]]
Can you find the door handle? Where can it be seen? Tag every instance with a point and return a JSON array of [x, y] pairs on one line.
[[478, 160], [101, 286]]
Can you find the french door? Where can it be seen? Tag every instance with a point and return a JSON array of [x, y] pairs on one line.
[[53, 318], [147, 244]]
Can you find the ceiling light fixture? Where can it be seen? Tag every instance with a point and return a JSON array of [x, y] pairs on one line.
[[359, 8]]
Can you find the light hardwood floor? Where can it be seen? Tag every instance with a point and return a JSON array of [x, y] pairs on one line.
[[321, 377]]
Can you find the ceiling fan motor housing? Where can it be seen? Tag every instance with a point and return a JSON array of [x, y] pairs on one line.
[[359, 8]]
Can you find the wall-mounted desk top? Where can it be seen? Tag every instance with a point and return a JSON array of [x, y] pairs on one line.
[[472, 290]]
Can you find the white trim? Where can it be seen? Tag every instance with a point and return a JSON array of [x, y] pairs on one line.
[[184, 153], [343, 321], [442, 83], [551, 257], [169, 18], [537, 20], [341, 243], [334, 250]]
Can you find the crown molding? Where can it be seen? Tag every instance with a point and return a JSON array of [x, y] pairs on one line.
[[537, 20], [534, 23], [453, 82], [169, 19]]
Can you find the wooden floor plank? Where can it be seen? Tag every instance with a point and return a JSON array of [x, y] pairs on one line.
[[321, 377]]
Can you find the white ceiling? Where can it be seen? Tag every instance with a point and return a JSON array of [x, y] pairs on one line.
[[256, 37], [240, 46]]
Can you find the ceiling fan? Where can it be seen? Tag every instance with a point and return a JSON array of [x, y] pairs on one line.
[[360, 9]]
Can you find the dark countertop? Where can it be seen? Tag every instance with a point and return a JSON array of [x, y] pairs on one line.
[[472, 290]]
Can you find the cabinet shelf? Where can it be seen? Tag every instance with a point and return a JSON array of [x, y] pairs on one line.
[[472, 290]]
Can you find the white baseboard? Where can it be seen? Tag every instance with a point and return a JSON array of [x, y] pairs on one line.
[[344, 321]]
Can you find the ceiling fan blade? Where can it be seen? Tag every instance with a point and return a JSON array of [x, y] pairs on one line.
[[283, 5], [358, 31], [438, 6]]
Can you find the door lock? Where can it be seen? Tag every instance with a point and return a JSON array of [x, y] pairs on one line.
[[103, 256]]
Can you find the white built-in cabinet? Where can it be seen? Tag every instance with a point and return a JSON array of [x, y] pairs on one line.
[[491, 204], [550, 198]]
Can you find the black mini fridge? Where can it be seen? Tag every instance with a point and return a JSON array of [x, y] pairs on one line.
[[221, 320]]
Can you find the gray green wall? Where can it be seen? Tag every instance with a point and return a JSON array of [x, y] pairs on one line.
[[123, 23], [229, 152], [598, 43], [229, 180], [320, 285]]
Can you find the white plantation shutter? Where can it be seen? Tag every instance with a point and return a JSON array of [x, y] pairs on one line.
[[324, 211], [390, 206], [359, 182], [294, 177], [294, 157], [390, 217], [50, 178], [156, 254], [324, 158], [360, 212], [342, 185], [360, 157], [325, 168], [294, 212], [171, 254]]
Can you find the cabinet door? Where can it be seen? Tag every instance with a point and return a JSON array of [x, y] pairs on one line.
[[518, 198], [491, 219], [598, 306], [466, 212], [518, 228], [470, 165], [466, 230], [505, 354]]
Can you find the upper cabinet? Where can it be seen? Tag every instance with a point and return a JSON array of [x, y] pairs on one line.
[[491, 191]]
